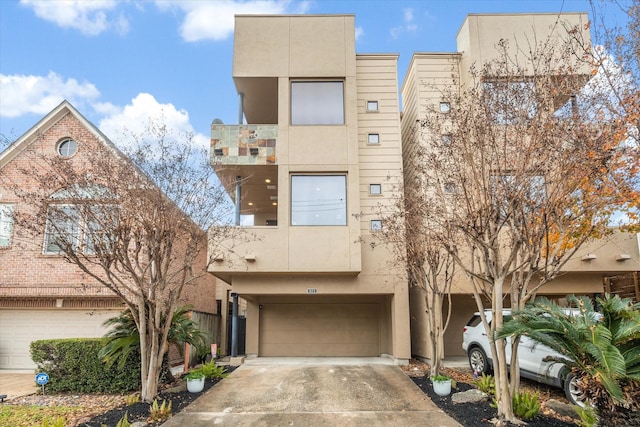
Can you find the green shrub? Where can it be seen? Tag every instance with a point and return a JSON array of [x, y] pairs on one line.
[[588, 416], [73, 366], [195, 374], [124, 421], [132, 399], [55, 422], [486, 384], [211, 371], [159, 412], [525, 405]]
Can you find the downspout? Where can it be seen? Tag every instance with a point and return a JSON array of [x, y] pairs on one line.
[[234, 325], [238, 198], [234, 310]]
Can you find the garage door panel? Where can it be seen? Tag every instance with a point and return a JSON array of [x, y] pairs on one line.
[[318, 350], [319, 330], [18, 328]]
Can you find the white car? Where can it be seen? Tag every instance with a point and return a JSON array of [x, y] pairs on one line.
[[530, 356]]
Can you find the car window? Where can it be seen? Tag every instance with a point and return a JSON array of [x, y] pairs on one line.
[[474, 321]]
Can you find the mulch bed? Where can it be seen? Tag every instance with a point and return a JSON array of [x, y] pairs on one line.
[[179, 399], [474, 414]]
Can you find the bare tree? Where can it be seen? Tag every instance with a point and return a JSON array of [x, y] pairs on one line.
[[132, 221], [532, 168], [430, 268]]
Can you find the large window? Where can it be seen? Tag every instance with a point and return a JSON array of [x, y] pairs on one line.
[[510, 103], [63, 228], [6, 224], [98, 224], [318, 200], [70, 226], [317, 103], [517, 193]]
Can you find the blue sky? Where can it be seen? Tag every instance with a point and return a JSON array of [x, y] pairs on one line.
[[120, 62]]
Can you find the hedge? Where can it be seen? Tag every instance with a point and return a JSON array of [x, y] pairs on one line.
[[73, 366]]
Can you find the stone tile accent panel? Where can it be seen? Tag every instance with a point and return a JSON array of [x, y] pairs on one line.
[[233, 144]]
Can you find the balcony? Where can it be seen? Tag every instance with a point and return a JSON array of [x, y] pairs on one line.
[[243, 144], [244, 158]]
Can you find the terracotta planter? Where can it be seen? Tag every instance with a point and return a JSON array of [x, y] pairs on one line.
[[195, 385]]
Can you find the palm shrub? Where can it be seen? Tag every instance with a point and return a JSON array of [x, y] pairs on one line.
[[602, 348], [123, 337]]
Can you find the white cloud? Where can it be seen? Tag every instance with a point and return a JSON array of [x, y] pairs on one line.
[[215, 20], [121, 123], [23, 94], [408, 15], [408, 26], [89, 17], [359, 32]]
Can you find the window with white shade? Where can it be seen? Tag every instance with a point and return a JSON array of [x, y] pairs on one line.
[[373, 138], [375, 189], [318, 200], [6, 224], [317, 103]]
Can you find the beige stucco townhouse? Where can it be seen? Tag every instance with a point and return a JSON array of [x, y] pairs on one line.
[[607, 265], [317, 148], [320, 149]]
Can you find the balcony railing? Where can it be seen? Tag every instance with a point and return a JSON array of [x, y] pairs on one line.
[[243, 144]]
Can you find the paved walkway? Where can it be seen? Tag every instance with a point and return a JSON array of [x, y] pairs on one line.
[[313, 393]]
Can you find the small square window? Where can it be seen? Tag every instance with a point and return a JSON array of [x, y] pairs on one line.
[[445, 107], [373, 138], [376, 224], [446, 139], [375, 189], [450, 187], [372, 105]]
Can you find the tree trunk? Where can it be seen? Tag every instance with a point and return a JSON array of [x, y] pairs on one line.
[[503, 392], [433, 301]]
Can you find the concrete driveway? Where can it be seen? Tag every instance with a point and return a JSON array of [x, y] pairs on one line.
[[313, 394], [15, 384]]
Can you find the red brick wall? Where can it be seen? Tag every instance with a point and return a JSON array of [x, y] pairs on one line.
[[23, 265]]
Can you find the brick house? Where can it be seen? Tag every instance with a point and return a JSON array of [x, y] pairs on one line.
[[41, 295]]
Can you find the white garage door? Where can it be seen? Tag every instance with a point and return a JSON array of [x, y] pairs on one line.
[[18, 328], [319, 330]]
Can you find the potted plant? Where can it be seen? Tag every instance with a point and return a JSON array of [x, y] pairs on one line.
[[195, 380], [441, 384]]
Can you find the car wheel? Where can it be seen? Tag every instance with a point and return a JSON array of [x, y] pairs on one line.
[[573, 391], [478, 361]]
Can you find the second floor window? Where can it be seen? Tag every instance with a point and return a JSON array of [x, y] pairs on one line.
[[79, 227], [318, 200], [317, 103], [6, 224], [62, 229]]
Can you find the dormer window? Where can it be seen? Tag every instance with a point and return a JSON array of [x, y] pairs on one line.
[[67, 148]]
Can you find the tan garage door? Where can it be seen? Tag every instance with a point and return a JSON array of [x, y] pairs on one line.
[[319, 330], [18, 328]]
